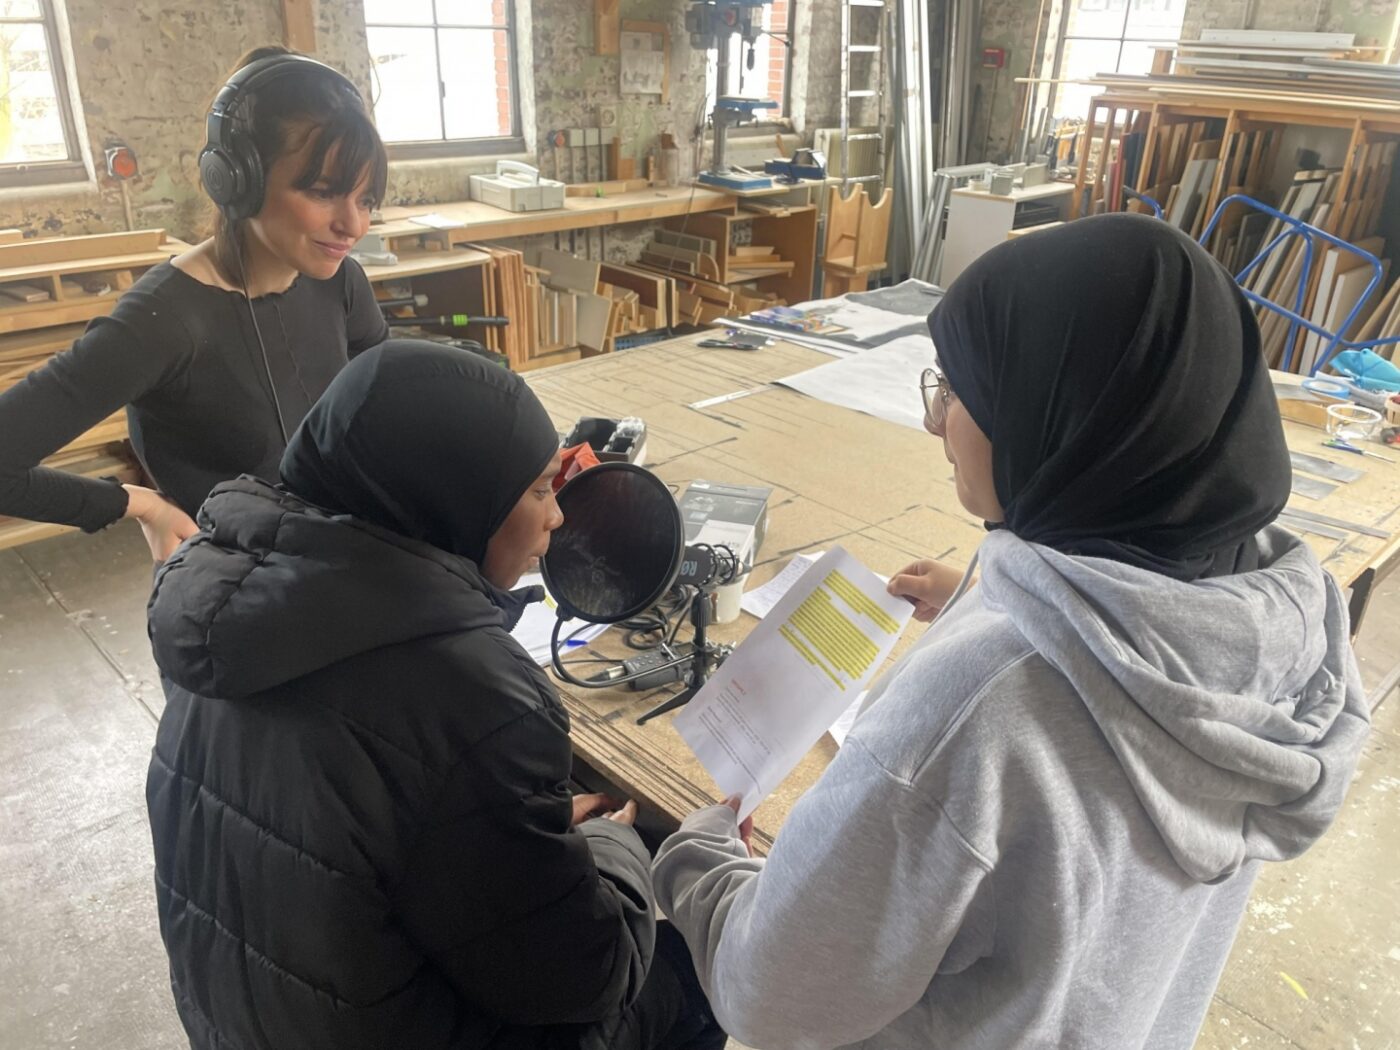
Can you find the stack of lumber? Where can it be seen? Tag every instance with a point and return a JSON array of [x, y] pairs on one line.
[[1337, 279], [704, 302], [1244, 66], [1329, 63], [581, 307], [49, 290], [64, 280], [1379, 319], [684, 253], [507, 293]]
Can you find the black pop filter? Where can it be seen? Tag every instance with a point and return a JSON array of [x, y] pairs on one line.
[[619, 549]]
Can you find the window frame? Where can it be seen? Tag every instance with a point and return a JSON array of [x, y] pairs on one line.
[[1065, 38], [764, 124], [494, 145], [49, 172]]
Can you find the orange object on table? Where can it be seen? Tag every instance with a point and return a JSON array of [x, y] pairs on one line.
[[575, 461]]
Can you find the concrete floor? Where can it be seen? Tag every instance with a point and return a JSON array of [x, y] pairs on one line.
[[1316, 965]]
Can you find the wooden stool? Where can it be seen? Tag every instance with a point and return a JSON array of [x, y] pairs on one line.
[[857, 234]]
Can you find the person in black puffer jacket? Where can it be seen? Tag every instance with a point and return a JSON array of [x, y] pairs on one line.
[[364, 837]]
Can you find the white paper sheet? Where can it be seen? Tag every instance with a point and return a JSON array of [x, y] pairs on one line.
[[760, 600], [437, 221], [796, 672], [841, 728], [537, 625], [882, 382]]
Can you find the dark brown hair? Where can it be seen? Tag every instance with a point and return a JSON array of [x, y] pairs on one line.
[[281, 118]]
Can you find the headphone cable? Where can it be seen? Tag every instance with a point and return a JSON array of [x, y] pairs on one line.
[[267, 364]]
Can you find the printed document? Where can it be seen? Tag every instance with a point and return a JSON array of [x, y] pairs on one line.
[[799, 669]]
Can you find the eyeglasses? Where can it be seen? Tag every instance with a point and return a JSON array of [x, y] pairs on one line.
[[937, 397]]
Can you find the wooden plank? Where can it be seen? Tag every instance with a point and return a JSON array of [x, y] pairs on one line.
[[689, 241], [45, 315], [702, 265], [299, 25], [36, 271], [413, 263], [652, 290], [668, 265], [1279, 38], [610, 188], [607, 26], [68, 249], [568, 271]]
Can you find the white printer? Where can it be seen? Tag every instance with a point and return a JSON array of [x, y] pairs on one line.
[[517, 187]]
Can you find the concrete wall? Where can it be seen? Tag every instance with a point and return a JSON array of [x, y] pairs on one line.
[[146, 72], [147, 68]]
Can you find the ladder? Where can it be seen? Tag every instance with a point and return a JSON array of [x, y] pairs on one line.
[[876, 90]]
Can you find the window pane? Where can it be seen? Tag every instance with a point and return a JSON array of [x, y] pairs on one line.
[[1137, 56], [1083, 59], [476, 82], [768, 77], [1156, 19], [406, 102], [31, 119], [471, 12], [20, 9], [399, 12], [1101, 18]]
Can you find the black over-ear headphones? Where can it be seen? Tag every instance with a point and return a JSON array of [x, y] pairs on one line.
[[229, 166]]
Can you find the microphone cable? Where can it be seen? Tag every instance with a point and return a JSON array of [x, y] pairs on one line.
[[252, 313]]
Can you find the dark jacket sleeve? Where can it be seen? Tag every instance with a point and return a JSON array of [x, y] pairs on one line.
[[365, 326], [110, 365], [532, 921]]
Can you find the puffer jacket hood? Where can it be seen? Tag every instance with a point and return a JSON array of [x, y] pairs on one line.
[[273, 588]]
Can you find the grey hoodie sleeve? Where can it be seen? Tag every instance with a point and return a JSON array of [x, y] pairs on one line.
[[832, 938]]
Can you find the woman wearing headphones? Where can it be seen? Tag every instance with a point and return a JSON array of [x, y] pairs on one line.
[[219, 353]]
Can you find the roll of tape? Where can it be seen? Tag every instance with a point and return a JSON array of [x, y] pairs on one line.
[[1328, 388]]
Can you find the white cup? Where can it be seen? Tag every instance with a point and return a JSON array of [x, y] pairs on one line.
[[726, 601]]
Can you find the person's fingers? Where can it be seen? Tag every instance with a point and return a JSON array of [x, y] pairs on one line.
[[734, 802], [904, 585], [746, 833], [626, 815]]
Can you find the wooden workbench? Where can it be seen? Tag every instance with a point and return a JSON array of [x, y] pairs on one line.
[[483, 222], [884, 492]]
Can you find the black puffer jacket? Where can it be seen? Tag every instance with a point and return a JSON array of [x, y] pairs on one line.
[[358, 801]]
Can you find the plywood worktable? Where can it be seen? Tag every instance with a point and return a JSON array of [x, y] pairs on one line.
[[882, 491]]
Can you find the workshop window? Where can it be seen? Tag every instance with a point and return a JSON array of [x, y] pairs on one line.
[[769, 76], [38, 138], [1109, 36], [444, 76]]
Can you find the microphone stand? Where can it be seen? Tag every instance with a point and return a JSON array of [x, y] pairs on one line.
[[699, 659]]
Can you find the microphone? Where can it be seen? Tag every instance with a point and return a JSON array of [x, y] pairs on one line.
[[706, 566]]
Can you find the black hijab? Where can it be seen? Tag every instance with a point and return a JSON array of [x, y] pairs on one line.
[[1116, 369], [426, 440]]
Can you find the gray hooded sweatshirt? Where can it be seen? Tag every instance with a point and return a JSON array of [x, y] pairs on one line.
[[1043, 830]]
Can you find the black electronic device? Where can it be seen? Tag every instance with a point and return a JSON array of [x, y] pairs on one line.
[[620, 550], [229, 166]]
